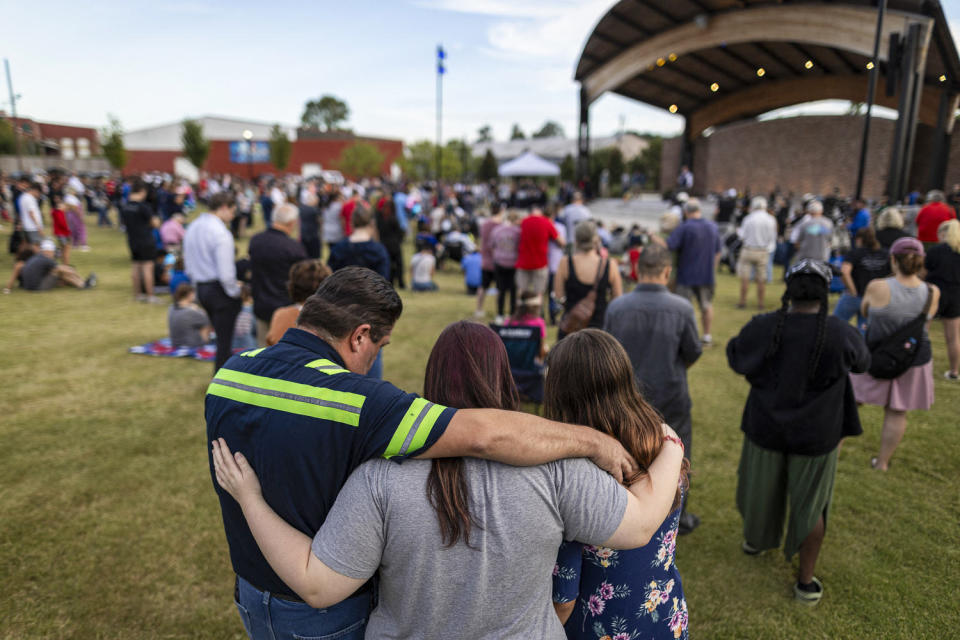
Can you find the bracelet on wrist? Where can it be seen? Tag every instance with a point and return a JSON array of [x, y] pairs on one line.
[[677, 440]]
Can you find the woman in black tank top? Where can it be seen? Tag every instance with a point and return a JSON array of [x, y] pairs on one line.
[[571, 289]]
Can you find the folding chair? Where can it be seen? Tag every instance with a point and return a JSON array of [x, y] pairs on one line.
[[523, 347]]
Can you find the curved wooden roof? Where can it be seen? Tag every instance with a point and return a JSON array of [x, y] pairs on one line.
[[717, 61]]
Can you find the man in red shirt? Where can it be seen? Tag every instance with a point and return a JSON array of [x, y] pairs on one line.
[[935, 212], [536, 232]]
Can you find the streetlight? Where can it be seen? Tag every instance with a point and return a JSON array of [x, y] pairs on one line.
[[248, 136]]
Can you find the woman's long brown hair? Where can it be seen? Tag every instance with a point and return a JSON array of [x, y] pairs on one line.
[[468, 369], [590, 381]]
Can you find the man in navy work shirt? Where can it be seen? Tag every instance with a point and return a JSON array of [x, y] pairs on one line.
[[697, 243], [305, 415]]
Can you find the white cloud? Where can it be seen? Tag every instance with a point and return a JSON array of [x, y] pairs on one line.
[[501, 8]]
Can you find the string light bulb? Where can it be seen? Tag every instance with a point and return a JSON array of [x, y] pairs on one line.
[[943, 78], [673, 108], [808, 64], [714, 87], [761, 72], [869, 65], [672, 57]]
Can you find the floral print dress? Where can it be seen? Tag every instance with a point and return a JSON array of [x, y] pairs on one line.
[[623, 595]]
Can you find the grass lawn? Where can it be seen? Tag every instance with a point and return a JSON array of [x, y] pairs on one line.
[[109, 527]]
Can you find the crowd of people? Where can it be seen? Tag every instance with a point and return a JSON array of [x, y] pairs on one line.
[[326, 536]]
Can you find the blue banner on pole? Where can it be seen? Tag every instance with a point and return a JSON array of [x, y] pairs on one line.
[[243, 152]]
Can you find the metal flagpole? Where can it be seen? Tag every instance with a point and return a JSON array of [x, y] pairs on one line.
[[441, 56], [13, 112], [871, 94]]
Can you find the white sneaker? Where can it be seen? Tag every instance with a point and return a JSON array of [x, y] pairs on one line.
[[498, 320], [707, 339]]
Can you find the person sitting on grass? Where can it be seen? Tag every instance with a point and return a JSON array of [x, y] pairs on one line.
[[39, 271], [424, 522], [187, 323], [243, 336], [801, 405], [528, 315], [305, 276], [472, 265], [423, 265]]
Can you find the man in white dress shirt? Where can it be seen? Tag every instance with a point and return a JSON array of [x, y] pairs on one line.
[[759, 234], [209, 259]]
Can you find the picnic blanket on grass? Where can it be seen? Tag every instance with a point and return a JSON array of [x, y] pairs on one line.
[[162, 347]]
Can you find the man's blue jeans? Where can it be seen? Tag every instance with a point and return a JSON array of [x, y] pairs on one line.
[[268, 618], [847, 307]]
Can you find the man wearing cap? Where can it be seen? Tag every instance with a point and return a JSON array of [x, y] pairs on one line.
[[40, 272]]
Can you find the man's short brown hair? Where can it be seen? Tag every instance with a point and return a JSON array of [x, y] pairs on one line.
[[222, 199], [349, 298], [653, 260]]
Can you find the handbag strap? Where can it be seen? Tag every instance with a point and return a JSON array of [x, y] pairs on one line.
[[600, 269], [926, 307]]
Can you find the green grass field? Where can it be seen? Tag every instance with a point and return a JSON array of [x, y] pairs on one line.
[[109, 527]]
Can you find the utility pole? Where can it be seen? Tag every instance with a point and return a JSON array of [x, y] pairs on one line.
[[441, 56], [13, 112], [871, 94]]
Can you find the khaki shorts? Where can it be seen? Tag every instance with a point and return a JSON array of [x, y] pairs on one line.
[[753, 263], [534, 280], [703, 294]]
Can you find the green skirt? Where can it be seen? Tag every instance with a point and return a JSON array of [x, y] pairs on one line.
[[768, 480]]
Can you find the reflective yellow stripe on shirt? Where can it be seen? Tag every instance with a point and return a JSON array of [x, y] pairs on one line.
[[252, 354], [291, 397], [326, 366], [415, 427]]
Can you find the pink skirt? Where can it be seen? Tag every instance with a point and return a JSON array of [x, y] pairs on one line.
[[912, 389]]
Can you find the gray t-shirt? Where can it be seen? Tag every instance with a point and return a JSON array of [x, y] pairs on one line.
[[499, 588], [36, 271], [185, 325], [812, 237]]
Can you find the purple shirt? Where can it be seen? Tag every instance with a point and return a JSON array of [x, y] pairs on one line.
[[696, 242]]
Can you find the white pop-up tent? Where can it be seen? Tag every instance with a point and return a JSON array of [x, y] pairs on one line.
[[529, 164]]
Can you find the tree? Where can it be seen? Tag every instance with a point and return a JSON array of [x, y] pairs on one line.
[[328, 111], [550, 129], [361, 160], [488, 169], [111, 143], [417, 160], [280, 148], [195, 146], [517, 133], [8, 140], [568, 169], [485, 134]]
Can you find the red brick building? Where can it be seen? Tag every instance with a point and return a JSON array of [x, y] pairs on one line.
[[158, 148], [55, 140]]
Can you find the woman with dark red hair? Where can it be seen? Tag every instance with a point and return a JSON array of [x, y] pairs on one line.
[[464, 547]]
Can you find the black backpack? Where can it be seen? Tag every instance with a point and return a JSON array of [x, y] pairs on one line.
[[891, 356]]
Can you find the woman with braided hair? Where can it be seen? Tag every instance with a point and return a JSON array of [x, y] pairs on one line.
[[800, 407]]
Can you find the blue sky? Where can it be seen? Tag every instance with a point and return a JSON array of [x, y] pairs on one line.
[[160, 61]]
